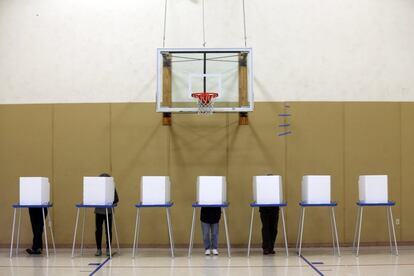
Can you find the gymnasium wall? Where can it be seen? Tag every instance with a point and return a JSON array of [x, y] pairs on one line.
[[77, 92], [68, 141], [90, 51]]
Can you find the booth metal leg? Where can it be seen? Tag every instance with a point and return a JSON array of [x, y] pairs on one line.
[[301, 230], [250, 232], [298, 234], [109, 234], [284, 231], [74, 234], [332, 230], [116, 231], [45, 230], [336, 231], [170, 234], [137, 218], [14, 221], [18, 231], [51, 233], [227, 232], [190, 247], [393, 231], [83, 230], [356, 230], [389, 228], [361, 210]]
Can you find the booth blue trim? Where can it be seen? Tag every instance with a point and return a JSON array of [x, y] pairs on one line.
[[167, 207], [86, 206], [282, 207], [40, 206]]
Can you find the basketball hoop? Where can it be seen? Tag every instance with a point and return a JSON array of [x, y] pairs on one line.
[[205, 102]]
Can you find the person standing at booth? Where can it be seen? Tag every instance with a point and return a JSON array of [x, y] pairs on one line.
[[210, 217], [36, 219], [100, 218], [269, 217]]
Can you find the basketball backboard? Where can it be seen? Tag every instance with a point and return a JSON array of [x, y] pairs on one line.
[[184, 71]]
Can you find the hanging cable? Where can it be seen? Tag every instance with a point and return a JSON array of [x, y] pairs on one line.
[[204, 28], [165, 23], [244, 25]]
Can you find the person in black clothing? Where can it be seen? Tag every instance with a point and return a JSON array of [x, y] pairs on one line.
[[36, 219], [269, 217], [210, 217], [100, 218]]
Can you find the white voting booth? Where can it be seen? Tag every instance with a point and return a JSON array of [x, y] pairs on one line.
[[211, 189], [155, 190], [373, 188], [155, 193], [267, 189], [267, 192], [98, 190], [316, 192], [34, 191], [316, 188]]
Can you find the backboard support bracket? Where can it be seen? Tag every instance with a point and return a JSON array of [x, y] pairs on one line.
[[166, 119], [243, 118]]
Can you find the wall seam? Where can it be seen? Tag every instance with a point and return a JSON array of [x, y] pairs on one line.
[[401, 172], [227, 145], [344, 173], [286, 157], [52, 213], [110, 139]]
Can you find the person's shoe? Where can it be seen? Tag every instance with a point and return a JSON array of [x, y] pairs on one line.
[[98, 253], [207, 252], [33, 251], [266, 252], [272, 252], [215, 252], [107, 253]]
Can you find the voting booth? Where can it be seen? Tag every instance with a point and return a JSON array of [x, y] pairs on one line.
[[155, 189], [373, 188], [316, 192], [211, 189], [34, 191], [373, 192], [267, 189], [211, 192], [98, 190], [267, 192], [316, 188]]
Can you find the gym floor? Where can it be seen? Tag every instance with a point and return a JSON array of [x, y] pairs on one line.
[[314, 261]]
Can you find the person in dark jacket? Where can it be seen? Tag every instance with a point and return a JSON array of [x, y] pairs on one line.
[[36, 219], [100, 218], [210, 217], [269, 217]]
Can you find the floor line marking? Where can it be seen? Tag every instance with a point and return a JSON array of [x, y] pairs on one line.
[[100, 266], [311, 265]]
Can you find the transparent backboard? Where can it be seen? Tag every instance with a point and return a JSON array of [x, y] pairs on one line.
[[182, 72]]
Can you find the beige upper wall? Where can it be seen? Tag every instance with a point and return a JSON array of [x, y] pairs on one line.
[[104, 51]]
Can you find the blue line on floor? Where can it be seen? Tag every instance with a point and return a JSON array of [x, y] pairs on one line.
[[100, 266], [94, 263], [311, 265]]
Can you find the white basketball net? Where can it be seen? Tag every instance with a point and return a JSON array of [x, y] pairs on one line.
[[205, 108], [205, 102]]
